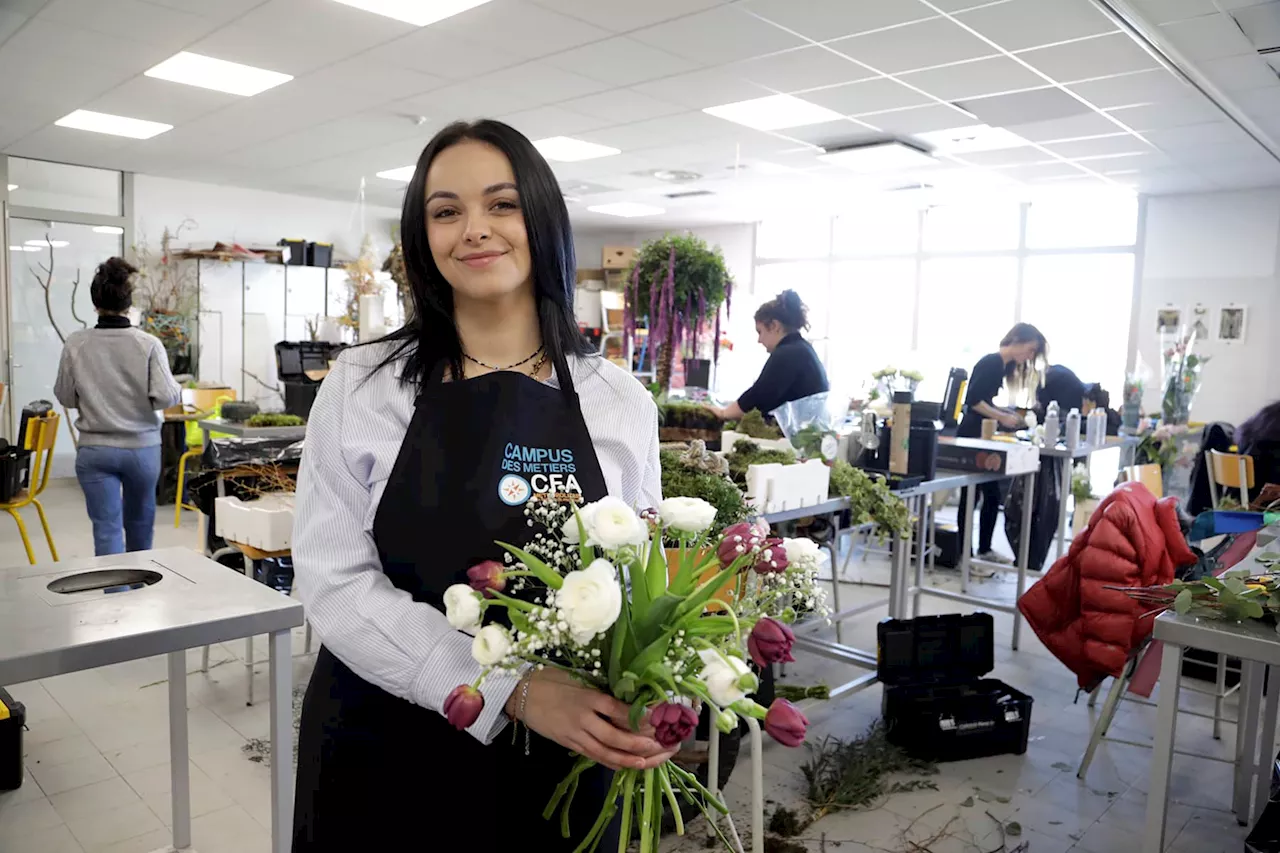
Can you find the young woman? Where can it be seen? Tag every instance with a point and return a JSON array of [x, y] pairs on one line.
[[117, 379], [408, 479], [1014, 362], [793, 370]]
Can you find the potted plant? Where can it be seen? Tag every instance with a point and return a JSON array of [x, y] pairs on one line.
[[677, 284], [1085, 500], [167, 296]]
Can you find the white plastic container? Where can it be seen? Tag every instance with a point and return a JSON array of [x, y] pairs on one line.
[[1051, 425], [1072, 435], [775, 487], [266, 523]]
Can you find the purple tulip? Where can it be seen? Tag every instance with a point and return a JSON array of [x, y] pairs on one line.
[[463, 706], [673, 723], [487, 577], [770, 642], [773, 558], [785, 723], [737, 540]]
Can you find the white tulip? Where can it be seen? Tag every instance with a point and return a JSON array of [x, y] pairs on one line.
[[687, 515], [462, 607], [590, 600], [802, 553], [727, 678], [569, 532], [491, 646], [614, 524]]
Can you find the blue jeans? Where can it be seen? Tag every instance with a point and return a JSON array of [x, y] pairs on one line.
[[119, 487]]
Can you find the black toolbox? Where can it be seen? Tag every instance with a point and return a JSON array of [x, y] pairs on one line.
[[936, 705], [13, 719]]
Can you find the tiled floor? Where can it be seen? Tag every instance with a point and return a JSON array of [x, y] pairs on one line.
[[97, 754]]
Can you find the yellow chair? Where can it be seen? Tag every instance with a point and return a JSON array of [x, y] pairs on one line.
[[1148, 475], [41, 435], [1232, 471], [202, 400]]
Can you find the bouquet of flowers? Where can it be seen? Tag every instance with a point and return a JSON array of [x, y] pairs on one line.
[[1182, 369], [596, 595]]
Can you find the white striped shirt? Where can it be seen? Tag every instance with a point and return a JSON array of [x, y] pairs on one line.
[[353, 438]]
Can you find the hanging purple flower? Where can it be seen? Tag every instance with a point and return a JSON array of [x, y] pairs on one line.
[[677, 336], [655, 293], [702, 316], [715, 343], [728, 296], [658, 316]]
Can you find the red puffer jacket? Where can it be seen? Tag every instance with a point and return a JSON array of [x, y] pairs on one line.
[[1132, 540]]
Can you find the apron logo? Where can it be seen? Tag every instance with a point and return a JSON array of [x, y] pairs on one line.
[[546, 473]]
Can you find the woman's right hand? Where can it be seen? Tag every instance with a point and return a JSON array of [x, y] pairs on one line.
[[587, 721], [1012, 421]]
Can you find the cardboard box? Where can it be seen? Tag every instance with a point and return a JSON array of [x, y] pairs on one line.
[[619, 257], [988, 457]]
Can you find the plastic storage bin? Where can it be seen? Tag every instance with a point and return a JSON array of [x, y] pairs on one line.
[[936, 705], [265, 524], [774, 487], [13, 470], [13, 718]]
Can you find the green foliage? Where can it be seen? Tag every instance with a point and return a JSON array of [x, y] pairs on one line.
[[679, 480], [699, 268], [852, 774], [1235, 596], [753, 425], [747, 453], [870, 499], [686, 415], [274, 419], [1081, 486]]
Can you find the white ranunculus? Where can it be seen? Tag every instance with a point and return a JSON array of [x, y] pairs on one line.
[[688, 515], [614, 524], [727, 678], [462, 607], [802, 553], [491, 646], [590, 600], [569, 532]]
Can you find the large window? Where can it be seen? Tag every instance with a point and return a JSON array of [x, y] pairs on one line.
[[935, 289]]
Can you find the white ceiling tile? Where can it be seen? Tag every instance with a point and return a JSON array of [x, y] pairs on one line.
[[1188, 110], [1076, 127], [1230, 5], [1209, 37], [618, 106], [1098, 146], [447, 55], [1259, 103], [800, 69], [463, 100], [1042, 172], [700, 89], [529, 29], [356, 133], [72, 46], [652, 133], [222, 11], [1209, 151], [1166, 11], [1035, 105], [10, 23], [1021, 24], [830, 134], [868, 96], [919, 119], [1164, 181], [1240, 72], [541, 122], [975, 79], [824, 20], [1087, 59], [925, 44], [620, 61], [130, 19], [623, 17], [1006, 157], [719, 35], [537, 83], [1141, 87], [65, 144], [160, 100], [1198, 135], [1232, 174], [363, 80]]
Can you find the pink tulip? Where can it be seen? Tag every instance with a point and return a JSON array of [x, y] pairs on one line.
[[487, 577], [770, 642], [785, 723], [773, 558], [673, 723], [737, 540], [463, 706]]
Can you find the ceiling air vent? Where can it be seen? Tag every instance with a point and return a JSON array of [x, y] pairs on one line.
[[689, 194]]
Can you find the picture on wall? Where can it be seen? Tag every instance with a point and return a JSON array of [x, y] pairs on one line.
[[1168, 320], [1200, 321], [1231, 323]]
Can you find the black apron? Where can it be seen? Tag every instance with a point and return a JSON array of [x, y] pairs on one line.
[[376, 772]]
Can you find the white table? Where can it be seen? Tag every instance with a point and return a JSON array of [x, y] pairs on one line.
[[1258, 647], [195, 602]]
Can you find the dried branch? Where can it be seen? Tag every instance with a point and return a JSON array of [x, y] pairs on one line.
[[46, 284], [267, 479], [75, 288], [274, 389]]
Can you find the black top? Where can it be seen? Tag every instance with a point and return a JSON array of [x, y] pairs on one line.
[[113, 321], [792, 372], [984, 384], [1061, 384]]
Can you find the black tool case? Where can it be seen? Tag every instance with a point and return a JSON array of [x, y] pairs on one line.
[[937, 706], [13, 719]]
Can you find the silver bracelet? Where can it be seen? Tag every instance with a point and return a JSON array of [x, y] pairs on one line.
[[524, 699]]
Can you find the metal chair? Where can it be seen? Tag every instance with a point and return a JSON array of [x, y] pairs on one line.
[[40, 438], [1148, 475], [1231, 471]]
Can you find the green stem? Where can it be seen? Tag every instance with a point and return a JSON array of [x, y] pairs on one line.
[[564, 810], [606, 814], [664, 775], [506, 600], [578, 767], [628, 791], [646, 815], [693, 780]]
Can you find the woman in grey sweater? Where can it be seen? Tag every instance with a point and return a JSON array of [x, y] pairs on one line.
[[117, 378]]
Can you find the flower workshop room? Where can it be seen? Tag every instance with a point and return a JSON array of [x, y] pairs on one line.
[[774, 426]]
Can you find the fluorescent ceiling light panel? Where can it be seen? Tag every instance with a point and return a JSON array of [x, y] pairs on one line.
[[404, 174], [134, 128], [108, 229], [44, 244], [626, 209], [416, 12], [879, 157], [24, 248], [217, 74], [566, 149], [12, 187], [773, 112]]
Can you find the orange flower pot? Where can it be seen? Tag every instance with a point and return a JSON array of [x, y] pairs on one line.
[[727, 593]]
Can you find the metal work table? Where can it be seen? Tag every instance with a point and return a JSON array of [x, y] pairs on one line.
[[212, 425], [195, 602], [1257, 645], [1067, 459]]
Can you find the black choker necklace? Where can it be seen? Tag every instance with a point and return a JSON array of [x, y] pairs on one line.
[[531, 357]]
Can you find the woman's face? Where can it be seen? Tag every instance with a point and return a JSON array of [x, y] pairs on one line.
[[769, 334], [1024, 352], [474, 223]]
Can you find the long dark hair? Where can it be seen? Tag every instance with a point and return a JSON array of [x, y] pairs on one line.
[[431, 335], [1030, 374]]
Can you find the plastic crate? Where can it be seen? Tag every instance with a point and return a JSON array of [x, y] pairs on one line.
[[13, 718], [13, 470], [937, 705]]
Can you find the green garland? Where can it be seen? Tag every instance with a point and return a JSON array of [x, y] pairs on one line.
[[870, 499]]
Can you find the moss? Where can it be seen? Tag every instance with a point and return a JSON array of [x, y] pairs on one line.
[[753, 425], [747, 453], [679, 480], [685, 415], [269, 419]]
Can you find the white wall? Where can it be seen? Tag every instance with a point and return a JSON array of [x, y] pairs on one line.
[[1215, 249]]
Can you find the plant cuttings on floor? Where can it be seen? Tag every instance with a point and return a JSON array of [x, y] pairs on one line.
[[854, 774]]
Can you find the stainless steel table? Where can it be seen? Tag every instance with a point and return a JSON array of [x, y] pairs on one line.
[[1067, 459], [212, 425], [1258, 647], [195, 602]]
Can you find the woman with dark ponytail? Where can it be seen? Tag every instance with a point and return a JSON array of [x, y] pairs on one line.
[[117, 379], [793, 370]]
